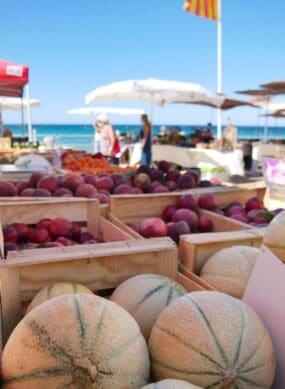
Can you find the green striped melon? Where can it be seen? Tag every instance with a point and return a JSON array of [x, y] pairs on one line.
[[274, 236], [212, 340], [229, 269], [76, 341], [171, 384], [56, 290], [145, 296]]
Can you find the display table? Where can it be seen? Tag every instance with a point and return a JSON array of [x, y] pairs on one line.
[[230, 161]]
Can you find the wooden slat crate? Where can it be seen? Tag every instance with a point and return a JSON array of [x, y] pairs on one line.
[[141, 206], [196, 249]]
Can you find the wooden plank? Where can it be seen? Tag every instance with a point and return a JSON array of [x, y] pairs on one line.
[[196, 249], [111, 232], [93, 217], [117, 222], [10, 300]]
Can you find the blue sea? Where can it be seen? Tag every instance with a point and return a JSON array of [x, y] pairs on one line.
[[81, 136]]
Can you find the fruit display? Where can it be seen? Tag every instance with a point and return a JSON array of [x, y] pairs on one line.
[[145, 296], [56, 290], [183, 217], [46, 233], [212, 340], [79, 341], [171, 384], [228, 270]]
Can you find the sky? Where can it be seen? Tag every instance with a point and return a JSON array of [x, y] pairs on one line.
[[72, 47]]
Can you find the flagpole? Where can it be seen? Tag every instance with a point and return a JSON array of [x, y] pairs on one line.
[[219, 67]]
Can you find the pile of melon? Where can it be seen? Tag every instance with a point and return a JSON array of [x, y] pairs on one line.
[[71, 338]]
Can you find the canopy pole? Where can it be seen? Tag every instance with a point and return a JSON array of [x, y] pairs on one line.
[[219, 67], [151, 126], [266, 121], [29, 114], [22, 119]]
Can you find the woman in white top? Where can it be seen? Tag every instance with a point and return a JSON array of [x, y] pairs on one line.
[[106, 134]]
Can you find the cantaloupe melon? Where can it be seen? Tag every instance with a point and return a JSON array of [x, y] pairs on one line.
[[212, 340], [145, 296], [171, 384], [229, 269], [76, 341], [274, 236], [56, 290]]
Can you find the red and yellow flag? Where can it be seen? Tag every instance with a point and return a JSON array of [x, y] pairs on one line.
[[204, 8]]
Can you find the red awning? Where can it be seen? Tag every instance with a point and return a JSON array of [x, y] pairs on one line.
[[12, 79]]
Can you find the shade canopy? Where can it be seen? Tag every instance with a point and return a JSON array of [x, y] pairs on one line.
[[275, 85], [228, 103], [277, 114], [11, 103], [106, 110], [13, 78], [154, 91], [255, 92]]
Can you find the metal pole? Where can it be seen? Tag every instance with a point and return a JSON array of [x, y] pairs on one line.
[[219, 67], [29, 114], [266, 121]]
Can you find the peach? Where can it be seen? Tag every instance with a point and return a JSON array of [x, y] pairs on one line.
[[172, 232], [132, 226], [23, 231], [72, 181], [102, 197], [86, 190], [208, 201], [105, 183], [7, 189], [123, 189], [48, 182], [10, 234], [151, 186], [187, 201], [205, 224], [195, 175], [254, 203], [21, 185], [186, 215], [122, 181], [28, 192], [164, 166], [168, 212], [157, 175], [240, 217], [42, 193], [260, 216], [153, 227], [142, 180], [63, 192], [39, 235], [76, 231], [90, 179], [182, 228], [171, 185], [43, 223], [235, 209], [186, 182], [34, 178], [137, 191], [144, 169], [205, 184], [173, 175], [160, 189], [54, 244], [60, 227]]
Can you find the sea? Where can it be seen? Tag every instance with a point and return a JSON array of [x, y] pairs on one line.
[[80, 137]]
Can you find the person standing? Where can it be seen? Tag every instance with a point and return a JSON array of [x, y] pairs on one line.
[[109, 142], [146, 140]]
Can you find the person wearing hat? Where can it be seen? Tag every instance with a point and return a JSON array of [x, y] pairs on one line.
[[109, 145]]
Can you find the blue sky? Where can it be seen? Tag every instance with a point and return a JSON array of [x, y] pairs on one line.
[[72, 47]]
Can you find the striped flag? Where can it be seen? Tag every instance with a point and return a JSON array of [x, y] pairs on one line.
[[204, 8]]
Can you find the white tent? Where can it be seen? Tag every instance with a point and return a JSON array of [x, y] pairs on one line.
[[106, 110]]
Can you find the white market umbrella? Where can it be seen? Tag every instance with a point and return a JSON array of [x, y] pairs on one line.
[[153, 91], [10, 103], [106, 110]]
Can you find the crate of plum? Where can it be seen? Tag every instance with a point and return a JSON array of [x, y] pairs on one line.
[[43, 225], [174, 216]]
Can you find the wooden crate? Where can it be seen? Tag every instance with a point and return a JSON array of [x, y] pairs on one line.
[[132, 207], [84, 211], [196, 249]]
